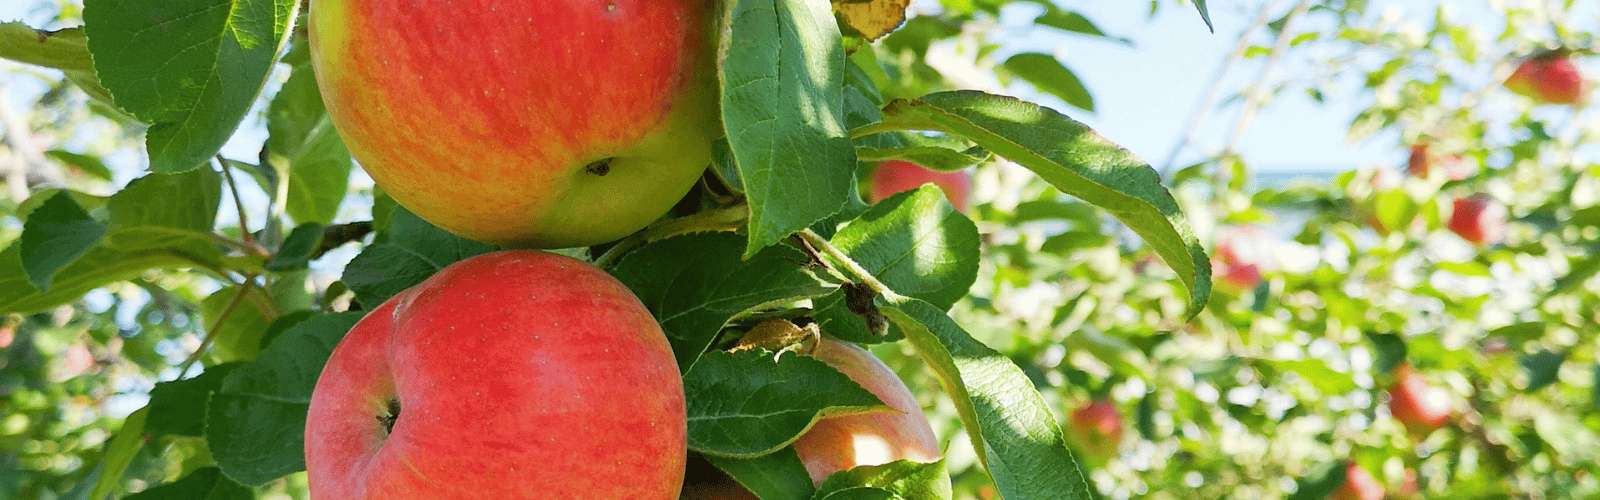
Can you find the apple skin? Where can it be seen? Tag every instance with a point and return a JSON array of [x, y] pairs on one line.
[[1422, 408], [1242, 254], [843, 442], [894, 176], [1479, 219], [1549, 78], [542, 124], [1425, 159], [1358, 485], [1097, 427], [517, 375]]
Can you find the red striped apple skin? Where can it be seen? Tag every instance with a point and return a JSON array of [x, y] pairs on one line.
[[517, 375], [545, 124]]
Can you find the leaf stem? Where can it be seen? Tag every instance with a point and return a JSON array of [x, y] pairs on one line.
[[840, 260]]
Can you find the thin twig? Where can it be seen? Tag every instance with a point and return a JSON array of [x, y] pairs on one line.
[[233, 187], [211, 334], [1258, 91], [1210, 98]]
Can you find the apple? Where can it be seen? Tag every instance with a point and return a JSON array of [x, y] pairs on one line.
[[543, 124], [1097, 427], [511, 375], [1242, 254], [1425, 159], [844, 442], [894, 176], [1549, 78], [1358, 485], [1422, 408], [1478, 219]]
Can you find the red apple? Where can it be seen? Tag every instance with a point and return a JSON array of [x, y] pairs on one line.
[[843, 442], [1358, 485], [7, 335], [510, 375], [1097, 427], [1425, 159], [1549, 78], [1422, 408], [1479, 219], [1242, 254], [550, 123], [894, 176]]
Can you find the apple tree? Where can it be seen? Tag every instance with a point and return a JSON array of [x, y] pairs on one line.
[[190, 233]]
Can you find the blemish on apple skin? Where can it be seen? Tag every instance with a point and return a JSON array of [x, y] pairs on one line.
[[599, 168]]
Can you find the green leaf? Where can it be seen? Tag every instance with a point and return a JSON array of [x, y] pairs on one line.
[[932, 158], [120, 453], [204, 484], [295, 252], [794, 158], [1320, 481], [56, 233], [1543, 367], [66, 50], [311, 161], [179, 406], [1011, 427], [779, 475], [1070, 157], [88, 164], [1048, 75], [238, 336], [189, 68], [901, 479], [255, 423], [1205, 14], [414, 251], [1391, 351], [1072, 22], [748, 404], [159, 221], [917, 243], [695, 283]]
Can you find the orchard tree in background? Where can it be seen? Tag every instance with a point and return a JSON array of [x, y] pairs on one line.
[[188, 237]]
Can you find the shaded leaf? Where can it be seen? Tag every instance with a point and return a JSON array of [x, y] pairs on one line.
[[55, 234], [748, 404], [695, 283], [203, 484], [1048, 75], [779, 475]]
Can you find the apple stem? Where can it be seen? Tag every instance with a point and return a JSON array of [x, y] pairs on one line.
[[211, 333]]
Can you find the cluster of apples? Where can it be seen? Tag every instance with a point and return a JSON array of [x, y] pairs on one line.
[[1419, 406], [522, 373]]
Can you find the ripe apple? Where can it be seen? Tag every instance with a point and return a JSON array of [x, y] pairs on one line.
[[1422, 408], [1479, 219], [1549, 78], [1358, 485], [1242, 254], [551, 123], [894, 176], [843, 442], [1097, 427], [510, 375], [1425, 158]]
